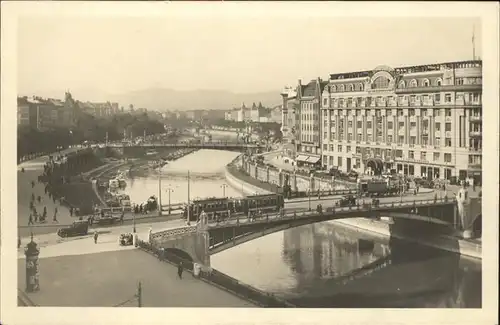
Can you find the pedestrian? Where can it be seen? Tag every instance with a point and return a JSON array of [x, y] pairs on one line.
[[18, 242], [180, 269], [71, 211], [39, 198], [121, 217], [32, 197], [32, 184], [54, 199], [474, 187], [96, 235], [36, 216], [30, 220]]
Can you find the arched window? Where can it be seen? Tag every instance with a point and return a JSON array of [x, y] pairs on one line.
[[361, 87], [413, 83], [381, 83], [426, 83], [402, 84], [439, 82], [341, 88], [350, 87], [333, 88]]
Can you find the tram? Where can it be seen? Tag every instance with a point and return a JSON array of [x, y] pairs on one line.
[[224, 207]]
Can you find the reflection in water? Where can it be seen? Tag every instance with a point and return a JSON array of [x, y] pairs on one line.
[[325, 265]]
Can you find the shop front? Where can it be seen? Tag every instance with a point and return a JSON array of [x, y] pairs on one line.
[[308, 161]]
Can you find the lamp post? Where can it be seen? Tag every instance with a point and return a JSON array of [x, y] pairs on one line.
[[224, 189], [169, 190], [188, 202], [309, 197]]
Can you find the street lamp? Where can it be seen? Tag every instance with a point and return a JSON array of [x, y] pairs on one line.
[[169, 190], [224, 189], [309, 197]]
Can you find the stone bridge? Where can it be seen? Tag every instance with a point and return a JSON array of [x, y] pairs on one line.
[[220, 145], [198, 242]]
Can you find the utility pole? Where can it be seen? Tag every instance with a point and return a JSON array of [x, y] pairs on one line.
[[224, 189], [139, 295], [188, 203], [169, 190], [159, 191]]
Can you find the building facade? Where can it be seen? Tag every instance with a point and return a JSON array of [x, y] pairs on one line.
[[290, 121], [41, 113], [420, 121], [309, 144]]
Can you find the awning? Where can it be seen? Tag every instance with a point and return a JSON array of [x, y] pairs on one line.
[[301, 158], [312, 159]]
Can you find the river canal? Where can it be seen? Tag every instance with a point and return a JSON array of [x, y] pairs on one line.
[[324, 264]]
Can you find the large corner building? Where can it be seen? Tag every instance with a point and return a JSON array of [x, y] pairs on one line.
[[419, 121]]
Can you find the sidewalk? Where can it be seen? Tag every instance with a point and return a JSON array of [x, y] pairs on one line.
[[109, 278]]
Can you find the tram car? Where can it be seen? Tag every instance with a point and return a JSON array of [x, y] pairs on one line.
[[214, 207]]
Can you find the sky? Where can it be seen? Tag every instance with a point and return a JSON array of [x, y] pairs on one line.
[[95, 55]]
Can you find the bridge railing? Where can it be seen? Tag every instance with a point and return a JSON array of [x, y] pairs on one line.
[[333, 210], [173, 232]]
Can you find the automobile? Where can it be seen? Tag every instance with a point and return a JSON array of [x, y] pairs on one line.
[[345, 201], [126, 239], [77, 228]]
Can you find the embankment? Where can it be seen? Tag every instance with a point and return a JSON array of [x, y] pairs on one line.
[[250, 185]]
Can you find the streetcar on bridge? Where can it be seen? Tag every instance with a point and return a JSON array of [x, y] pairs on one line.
[[227, 207]]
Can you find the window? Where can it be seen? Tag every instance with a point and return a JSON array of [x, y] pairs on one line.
[[348, 149], [412, 100], [359, 136], [437, 126], [339, 148], [413, 140], [411, 154], [401, 139], [401, 125], [401, 112], [426, 83], [447, 98], [447, 112], [369, 138], [388, 112], [423, 155], [339, 161], [437, 98], [424, 112], [436, 156], [349, 124], [331, 147], [413, 125], [401, 84], [438, 82], [447, 127], [341, 88], [389, 138], [380, 83], [325, 102], [447, 142], [359, 124], [447, 157], [325, 135], [378, 113], [412, 111], [413, 83], [389, 125], [369, 124], [349, 102], [475, 97], [437, 142], [325, 147], [349, 137]]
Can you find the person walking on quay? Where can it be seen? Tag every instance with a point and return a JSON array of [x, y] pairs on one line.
[[71, 211], [32, 184], [180, 269], [39, 198], [54, 219], [32, 197], [122, 216], [96, 235], [30, 220]]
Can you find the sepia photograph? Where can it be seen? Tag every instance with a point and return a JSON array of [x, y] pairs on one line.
[[245, 156]]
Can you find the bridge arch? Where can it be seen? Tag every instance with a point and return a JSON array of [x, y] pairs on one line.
[[376, 164], [177, 255]]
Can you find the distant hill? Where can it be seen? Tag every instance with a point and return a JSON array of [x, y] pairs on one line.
[[162, 99]]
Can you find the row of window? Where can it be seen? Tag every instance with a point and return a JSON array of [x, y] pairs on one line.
[[411, 112], [401, 124], [430, 99]]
